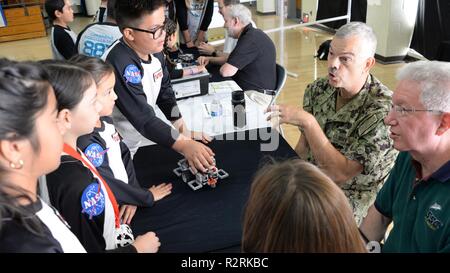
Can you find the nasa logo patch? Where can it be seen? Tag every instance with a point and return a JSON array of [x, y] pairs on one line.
[[132, 74], [157, 75], [92, 200], [95, 153]]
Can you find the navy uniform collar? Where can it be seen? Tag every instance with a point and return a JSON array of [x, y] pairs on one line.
[[355, 103]]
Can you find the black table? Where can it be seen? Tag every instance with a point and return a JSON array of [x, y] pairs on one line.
[[443, 52], [208, 219]]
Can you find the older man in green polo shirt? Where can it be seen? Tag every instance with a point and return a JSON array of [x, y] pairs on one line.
[[342, 119], [416, 196]]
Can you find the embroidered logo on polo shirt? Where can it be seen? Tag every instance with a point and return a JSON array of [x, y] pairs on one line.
[[157, 75], [95, 153], [92, 200], [436, 206], [431, 219], [132, 74]]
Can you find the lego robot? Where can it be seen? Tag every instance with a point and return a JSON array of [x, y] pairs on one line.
[[186, 60], [198, 180]]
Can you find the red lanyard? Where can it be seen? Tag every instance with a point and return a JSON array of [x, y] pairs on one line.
[[72, 152]]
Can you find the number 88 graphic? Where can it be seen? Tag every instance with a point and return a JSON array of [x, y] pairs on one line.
[[94, 49]]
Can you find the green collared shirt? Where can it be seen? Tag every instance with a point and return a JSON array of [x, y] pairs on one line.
[[356, 130], [419, 207]]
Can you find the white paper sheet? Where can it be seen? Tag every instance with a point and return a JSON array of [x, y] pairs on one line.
[[223, 87]]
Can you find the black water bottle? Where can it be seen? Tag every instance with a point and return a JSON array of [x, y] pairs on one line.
[[238, 103]]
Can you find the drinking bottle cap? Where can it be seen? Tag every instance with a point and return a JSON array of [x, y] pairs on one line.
[[237, 95]]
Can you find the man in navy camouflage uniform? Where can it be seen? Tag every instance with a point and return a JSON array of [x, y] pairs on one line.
[[342, 119]]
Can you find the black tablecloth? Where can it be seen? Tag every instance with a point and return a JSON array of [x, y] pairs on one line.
[[208, 219], [443, 52]]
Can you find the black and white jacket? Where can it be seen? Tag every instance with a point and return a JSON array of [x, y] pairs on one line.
[[140, 87], [112, 158], [96, 38], [74, 190], [55, 236], [63, 42]]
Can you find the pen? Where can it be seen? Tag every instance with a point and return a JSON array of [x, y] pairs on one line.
[[207, 111]]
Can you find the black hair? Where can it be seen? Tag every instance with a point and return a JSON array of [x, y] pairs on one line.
[[97, 67], [24, 90], [171, 28], [110, 9], [28, 77], [130, 12], [53, 5], [51, 61], [69, 82]]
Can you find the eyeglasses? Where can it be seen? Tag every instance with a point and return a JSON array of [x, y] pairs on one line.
[[156, 32], [402, 111]]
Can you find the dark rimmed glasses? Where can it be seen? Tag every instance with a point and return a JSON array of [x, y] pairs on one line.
[[156, 32], [402, 111]]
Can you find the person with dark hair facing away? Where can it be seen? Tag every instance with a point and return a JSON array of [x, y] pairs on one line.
[[298, 208], [96, 38], [142, 82], [171, 52], [30, 146], [76, 188], [62, 38], [108, 153]]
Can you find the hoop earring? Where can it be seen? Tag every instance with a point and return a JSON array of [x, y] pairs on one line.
[[17, 167]]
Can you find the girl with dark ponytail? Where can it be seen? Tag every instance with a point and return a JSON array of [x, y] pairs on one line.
[[30, 146]]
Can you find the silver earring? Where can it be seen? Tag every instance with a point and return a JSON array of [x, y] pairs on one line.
[[18, 166]]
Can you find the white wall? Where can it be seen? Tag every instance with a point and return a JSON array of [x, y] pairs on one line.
[[393, 22], [92, 6], [265, 6]]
